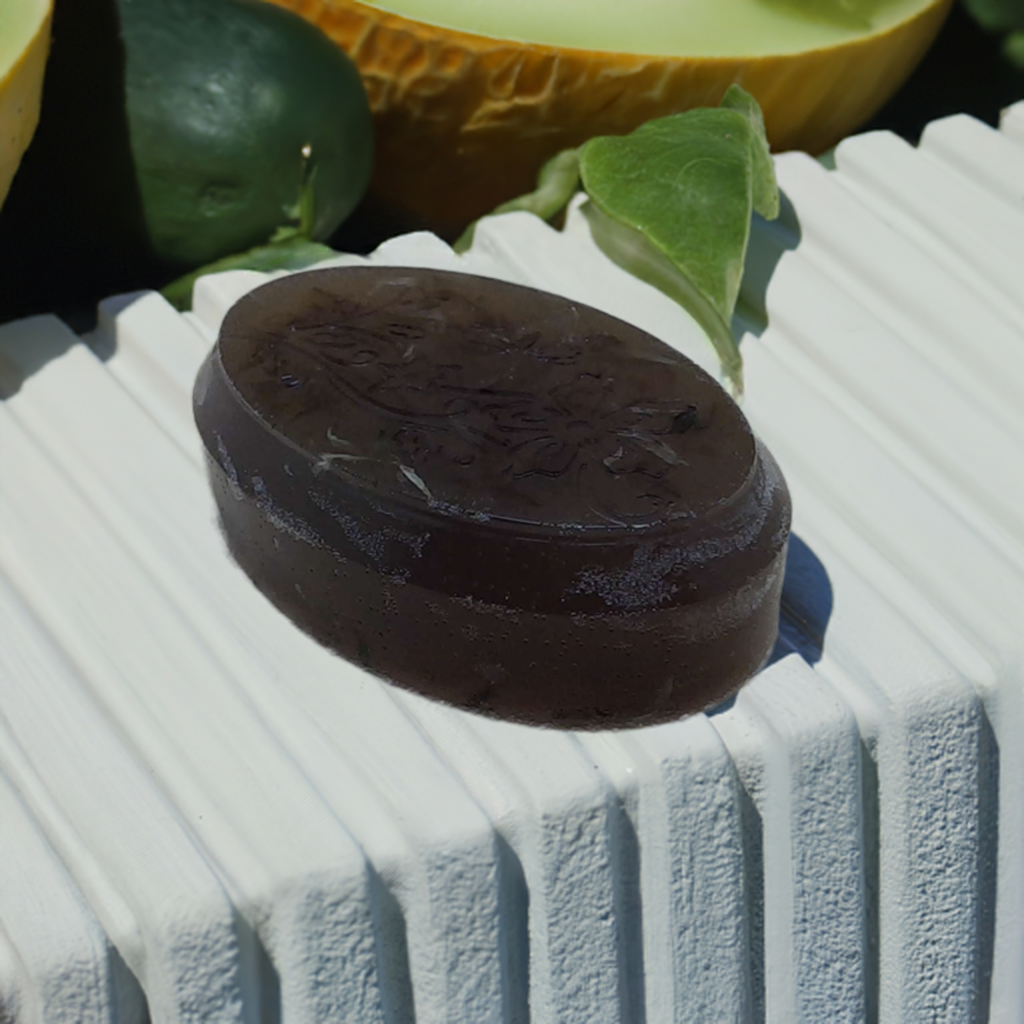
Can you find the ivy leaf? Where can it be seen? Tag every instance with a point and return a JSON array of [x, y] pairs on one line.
[[672, 204], [290, 253], [633, 251], [765, 189]]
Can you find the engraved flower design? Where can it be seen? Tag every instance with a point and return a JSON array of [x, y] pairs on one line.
[[621, 456], [438, 402]]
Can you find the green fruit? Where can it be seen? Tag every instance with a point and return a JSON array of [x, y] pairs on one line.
[[223, 98], [472, 97], [176, 132]]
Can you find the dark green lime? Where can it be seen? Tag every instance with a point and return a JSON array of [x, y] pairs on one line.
[[173, 133]]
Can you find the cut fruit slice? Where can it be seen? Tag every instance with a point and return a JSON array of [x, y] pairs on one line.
[[469, 102], [24, 46]]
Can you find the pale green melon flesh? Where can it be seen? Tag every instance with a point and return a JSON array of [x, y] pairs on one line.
[[708, 28], [19, 22]]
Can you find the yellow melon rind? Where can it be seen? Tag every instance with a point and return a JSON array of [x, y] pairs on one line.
[[21, 92], [464, 122]]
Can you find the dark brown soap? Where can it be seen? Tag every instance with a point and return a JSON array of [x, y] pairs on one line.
[[493, 496]]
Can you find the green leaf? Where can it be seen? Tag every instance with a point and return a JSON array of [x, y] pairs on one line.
[[997, 15], [1013, 48], [291, 253], [556, 183], [632, 251], [682, 188], [765, 194]]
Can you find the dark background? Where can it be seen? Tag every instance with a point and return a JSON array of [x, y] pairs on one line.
[[964, 72]]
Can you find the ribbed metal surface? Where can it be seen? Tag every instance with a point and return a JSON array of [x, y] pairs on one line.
[[206, 817]]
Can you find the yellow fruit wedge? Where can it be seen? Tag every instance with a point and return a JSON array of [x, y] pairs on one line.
[[24, 46], [471, 97]]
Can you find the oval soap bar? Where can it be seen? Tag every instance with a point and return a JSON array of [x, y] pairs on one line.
[[493, 496]]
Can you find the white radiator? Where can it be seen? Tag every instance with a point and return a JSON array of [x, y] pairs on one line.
[[206, 818]]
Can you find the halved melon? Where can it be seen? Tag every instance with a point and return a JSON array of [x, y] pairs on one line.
[[471, 96], [24, 46]]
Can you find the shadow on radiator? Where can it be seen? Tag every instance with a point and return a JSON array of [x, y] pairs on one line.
[[753, 879], [988, 847], [806, 605], [392, 953], [625, 851], [514, 903]]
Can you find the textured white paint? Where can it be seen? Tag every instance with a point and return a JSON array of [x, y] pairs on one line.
[[682, 807], [901, 400], [45, 916], [153, 353], [552, 809], [814, 876], [989, 157], [196, 733], [205, 816], [1011, 122], [906, 288], [977, 236]]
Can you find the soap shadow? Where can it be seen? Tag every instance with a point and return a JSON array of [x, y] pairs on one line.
[[769, 241], [807, 601], [806, 605], [805, 612]]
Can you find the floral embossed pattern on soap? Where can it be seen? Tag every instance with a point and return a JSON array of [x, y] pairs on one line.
[[493, 496]]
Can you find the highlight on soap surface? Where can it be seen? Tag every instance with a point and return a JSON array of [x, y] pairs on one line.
[[493, 496]]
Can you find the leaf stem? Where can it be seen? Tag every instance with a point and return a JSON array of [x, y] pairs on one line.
[[634, 252]]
